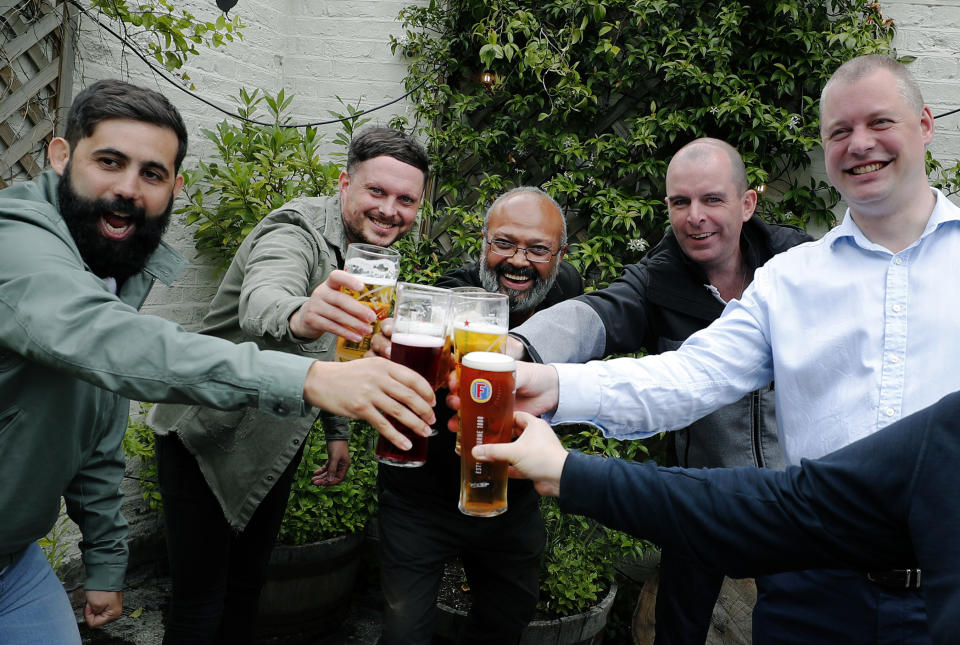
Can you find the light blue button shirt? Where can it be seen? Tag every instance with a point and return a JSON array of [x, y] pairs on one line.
[[853, 336]]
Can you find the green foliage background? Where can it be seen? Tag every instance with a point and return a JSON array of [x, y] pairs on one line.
[[589, 99], [316, 513]]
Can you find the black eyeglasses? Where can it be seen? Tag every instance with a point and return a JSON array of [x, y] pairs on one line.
[[509, 249]]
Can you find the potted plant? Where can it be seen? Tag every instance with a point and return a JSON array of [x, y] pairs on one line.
[[314, 565]]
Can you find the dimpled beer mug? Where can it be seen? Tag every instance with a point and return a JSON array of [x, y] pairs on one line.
[[378, 268], [487, 384], [420, 321], [480, 321]]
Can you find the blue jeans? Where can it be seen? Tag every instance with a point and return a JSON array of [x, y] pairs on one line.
[[34, 608]]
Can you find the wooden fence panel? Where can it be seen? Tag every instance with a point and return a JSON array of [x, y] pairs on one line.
[[33, 42]]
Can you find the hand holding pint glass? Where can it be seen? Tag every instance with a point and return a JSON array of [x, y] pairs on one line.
[[420, 324], [487, 384], [378, 267]]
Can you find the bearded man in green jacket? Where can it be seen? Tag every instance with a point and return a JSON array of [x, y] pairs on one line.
[[80, 248]]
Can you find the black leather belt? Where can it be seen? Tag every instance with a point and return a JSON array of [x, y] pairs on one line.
[[896, 578]]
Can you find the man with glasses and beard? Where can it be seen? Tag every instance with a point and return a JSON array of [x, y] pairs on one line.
[[421, 528], [79, 251]]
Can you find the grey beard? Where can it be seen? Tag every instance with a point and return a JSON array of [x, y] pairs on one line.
[[521, 302]]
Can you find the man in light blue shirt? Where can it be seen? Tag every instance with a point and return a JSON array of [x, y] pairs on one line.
[[855, 330]]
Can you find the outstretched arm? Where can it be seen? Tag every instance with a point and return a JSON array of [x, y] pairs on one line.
[[847, 510]]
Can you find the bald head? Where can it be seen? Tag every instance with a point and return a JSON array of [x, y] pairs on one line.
[[860, 67], [530, 195], [524, 239], [700, 150]]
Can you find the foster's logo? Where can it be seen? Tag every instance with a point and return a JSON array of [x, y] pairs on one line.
[[480, 390]]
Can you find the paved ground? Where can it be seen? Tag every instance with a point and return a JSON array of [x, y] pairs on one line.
[[145, 602]]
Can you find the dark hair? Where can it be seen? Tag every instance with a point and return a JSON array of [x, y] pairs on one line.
[[378, 141], [113, 99]]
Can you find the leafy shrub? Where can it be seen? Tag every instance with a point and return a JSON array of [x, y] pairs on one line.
[[581, 554], [316, 513], [257, 169], [139, 442]]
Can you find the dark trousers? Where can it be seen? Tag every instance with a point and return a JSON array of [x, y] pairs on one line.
[[217, 573], [836, 607], [500, 556], [686, 594]]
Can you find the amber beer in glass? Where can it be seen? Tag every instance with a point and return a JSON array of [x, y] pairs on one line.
[[487, 385], [419, 335], [480, 322], [378, 267]]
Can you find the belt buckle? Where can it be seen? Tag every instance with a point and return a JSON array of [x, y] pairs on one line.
[[896, 578]]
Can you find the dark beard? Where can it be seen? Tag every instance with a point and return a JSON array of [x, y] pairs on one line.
[[105, 257], [521, 302]]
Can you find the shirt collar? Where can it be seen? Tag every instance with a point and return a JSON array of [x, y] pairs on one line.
[[943, 211]]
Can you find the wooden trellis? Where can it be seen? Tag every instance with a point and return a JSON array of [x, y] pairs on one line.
[[36, 61]]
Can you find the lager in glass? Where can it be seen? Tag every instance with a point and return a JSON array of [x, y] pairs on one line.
[[487, 385], [378, 268]]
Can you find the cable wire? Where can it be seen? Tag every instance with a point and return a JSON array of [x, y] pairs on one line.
[[163, 74], [136, 50]]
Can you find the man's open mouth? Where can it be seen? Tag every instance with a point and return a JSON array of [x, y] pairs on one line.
[[116, 226]]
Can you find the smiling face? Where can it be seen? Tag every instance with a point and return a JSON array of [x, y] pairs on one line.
[[116, 192], [528, 220], [873, 144], [379, 200], [707, 209]]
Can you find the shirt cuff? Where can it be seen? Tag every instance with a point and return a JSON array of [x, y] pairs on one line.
[[104, 577], [281, 386], [579, 394]]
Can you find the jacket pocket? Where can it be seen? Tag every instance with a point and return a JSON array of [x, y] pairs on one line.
[[9, 360], [8, 419]]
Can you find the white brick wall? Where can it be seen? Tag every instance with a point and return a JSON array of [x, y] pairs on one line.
[[315, 50], [931, 32]]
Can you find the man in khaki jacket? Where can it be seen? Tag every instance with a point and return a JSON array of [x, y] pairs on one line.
[[225, 477]]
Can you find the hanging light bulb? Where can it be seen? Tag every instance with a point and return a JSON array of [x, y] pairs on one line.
[[487, 79], [226, 5]]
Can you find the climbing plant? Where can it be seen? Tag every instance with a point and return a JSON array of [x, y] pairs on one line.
[[590, 98]]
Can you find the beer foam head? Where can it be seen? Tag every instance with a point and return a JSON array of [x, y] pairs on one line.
[[479, 326], [419, 327], [489, 362], [417, 340], [373, 270]]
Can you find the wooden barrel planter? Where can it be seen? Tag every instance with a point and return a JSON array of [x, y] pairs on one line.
[[309, 586], [580, 629]]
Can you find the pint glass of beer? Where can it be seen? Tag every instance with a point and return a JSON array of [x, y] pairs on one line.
[[378, 267], [420, 322], [449, 360], [480, 322], [487, 384]]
